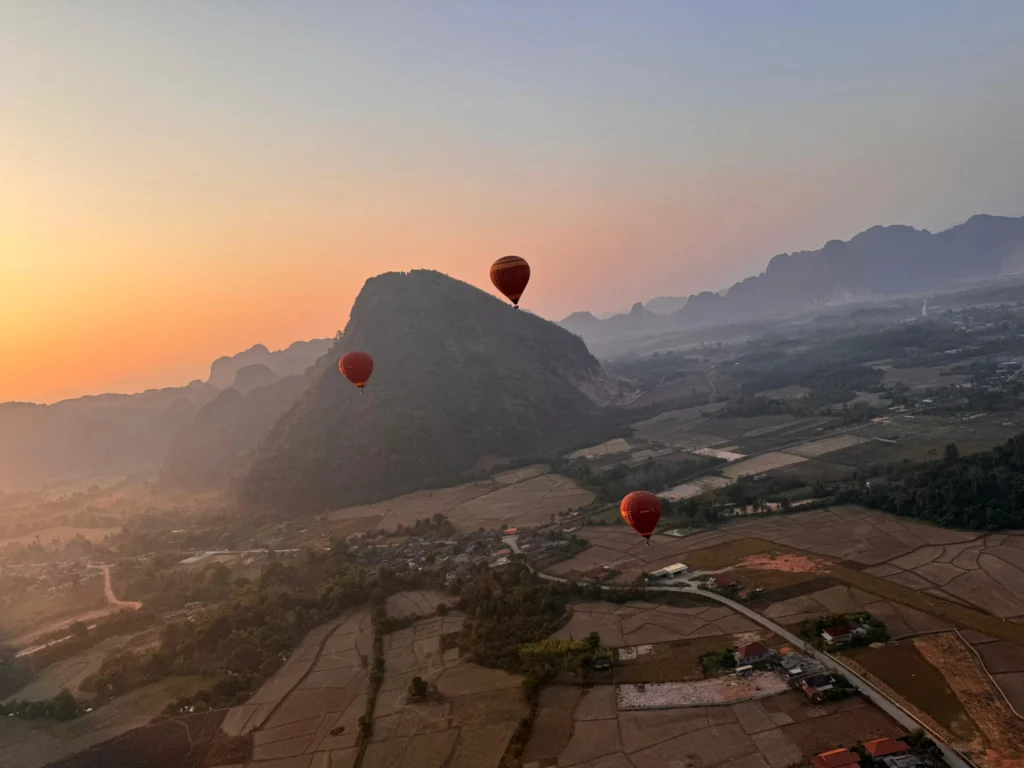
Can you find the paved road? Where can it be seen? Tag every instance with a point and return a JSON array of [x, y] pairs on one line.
[[880, 699], [952, 757]]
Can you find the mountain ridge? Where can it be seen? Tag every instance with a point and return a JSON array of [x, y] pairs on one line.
[[882, 261], [97, 437]]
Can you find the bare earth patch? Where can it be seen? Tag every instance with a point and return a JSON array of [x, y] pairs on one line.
[[785, 563], [700, 693], [1003, 730]]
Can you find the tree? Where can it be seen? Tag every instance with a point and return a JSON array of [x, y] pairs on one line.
[[418, 688], [64, 706], [593, 641], [442, 609], [952, 453]]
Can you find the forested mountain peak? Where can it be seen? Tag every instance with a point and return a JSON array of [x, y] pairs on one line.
[[458, 375]]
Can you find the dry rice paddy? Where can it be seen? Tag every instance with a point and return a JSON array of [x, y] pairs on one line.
[[521, 497], [467, 720], [916, 577], [320, 691], [759, 464], [637, 623], [607, 448], [587, 730], [34, 743]]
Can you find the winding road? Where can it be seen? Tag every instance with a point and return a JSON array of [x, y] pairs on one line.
[[109, 591], [883, 702], [28, 641]]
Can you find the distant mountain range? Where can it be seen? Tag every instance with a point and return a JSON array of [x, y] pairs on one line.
[[878, 263], [459, 377], [111, 436], [285, 362]]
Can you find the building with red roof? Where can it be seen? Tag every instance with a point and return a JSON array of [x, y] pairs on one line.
[[753, 653], [843, 634], [886, 746], [893, 753]]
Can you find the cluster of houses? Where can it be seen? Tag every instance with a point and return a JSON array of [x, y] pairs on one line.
[[454, 555], [803, 672], [889, 752]]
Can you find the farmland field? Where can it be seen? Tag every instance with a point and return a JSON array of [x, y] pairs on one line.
[[69, 672], [922, 377], [421, 602], [637, 623], [312, 705], [588, 731], [916, 577], [607, 448], [34, 743], [467, 718], [759, 464], [914, 679], [522, 497]]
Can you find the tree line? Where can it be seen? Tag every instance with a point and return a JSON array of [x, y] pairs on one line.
[[982, 491]]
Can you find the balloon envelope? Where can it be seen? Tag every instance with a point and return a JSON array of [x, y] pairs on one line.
[[510, 274], [356, 367], [641, 510]]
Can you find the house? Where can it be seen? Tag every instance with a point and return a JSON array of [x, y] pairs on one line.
[[843, 634], [745, 671], [721, 582], [753, 653], [510, 532], [892, 753], [836, 758], [797, 665], [815, 685]]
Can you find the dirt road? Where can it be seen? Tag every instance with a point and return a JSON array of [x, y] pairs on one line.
[[109, 592], [29, 642]]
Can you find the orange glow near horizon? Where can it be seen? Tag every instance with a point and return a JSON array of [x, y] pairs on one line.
[[123, 296]]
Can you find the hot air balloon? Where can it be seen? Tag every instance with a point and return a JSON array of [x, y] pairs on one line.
[[510, 274], [641, 510], [356, 367]]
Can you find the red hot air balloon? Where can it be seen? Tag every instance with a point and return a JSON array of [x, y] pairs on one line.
[[510, 274], [356, 367], [641, 510]]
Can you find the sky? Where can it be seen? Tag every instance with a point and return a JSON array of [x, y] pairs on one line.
[[180, 181]]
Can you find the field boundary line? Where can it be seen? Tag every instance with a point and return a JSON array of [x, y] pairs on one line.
[[307, 673], [988, 674]]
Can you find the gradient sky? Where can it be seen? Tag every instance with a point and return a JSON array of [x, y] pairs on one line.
[[180, 180]]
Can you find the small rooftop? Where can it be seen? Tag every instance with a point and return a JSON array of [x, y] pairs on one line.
[[839, 630], [754, 649], [886, 746]]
